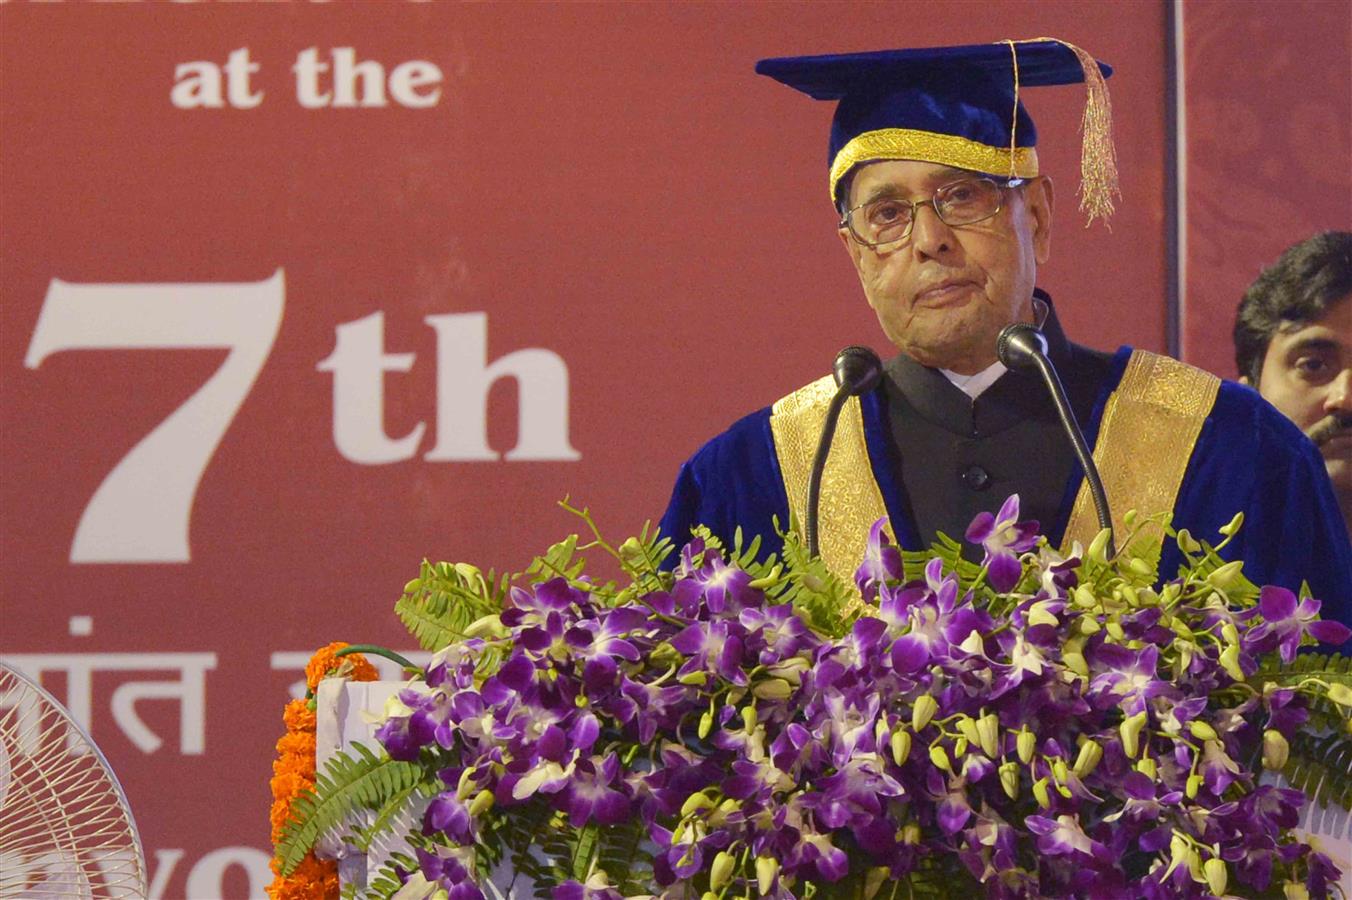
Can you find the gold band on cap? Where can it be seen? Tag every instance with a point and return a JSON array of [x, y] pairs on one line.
[[929, 146]]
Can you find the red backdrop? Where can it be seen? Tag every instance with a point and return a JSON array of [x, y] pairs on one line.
[[600, 199]]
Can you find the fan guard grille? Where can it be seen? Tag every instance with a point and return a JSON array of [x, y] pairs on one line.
[[66, 830]]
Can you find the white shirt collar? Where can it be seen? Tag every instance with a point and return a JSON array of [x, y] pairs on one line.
[[974, 385]]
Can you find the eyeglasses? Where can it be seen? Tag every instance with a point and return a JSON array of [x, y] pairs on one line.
[[889, 219]]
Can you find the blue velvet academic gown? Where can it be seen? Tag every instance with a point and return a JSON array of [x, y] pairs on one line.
[[1247, 457]]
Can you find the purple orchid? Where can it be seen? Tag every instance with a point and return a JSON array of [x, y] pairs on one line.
[[881, 564], [1003, 537], [757, 753], [1286, 622]]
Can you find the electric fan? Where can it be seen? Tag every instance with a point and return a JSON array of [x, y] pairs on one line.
[[65, 828]]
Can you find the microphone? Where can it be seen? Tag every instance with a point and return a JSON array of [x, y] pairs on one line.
[[1022, 346], [857, 370]]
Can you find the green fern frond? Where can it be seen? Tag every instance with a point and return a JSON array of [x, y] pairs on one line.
[[818, 596], [347, 783], [1322, 768], [445, 599], [386, 882], [559, 561]]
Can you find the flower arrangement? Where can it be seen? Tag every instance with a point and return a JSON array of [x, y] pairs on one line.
[[293, 776], [1035, 725]]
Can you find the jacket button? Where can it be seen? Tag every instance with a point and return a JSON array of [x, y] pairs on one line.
[[976, 478]]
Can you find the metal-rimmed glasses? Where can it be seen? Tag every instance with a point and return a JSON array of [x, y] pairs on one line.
[[886, 220]]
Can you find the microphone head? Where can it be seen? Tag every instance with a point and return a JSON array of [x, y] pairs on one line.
[[858, 367], [1019, 345]]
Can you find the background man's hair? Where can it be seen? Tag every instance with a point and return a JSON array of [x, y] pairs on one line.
[[1298, 287]]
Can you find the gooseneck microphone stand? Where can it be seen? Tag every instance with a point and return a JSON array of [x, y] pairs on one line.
[[856, 370], [1022, 346]]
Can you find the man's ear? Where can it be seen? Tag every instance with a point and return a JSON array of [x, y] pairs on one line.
[[1244, 379], [851, 246], [1040, 197]]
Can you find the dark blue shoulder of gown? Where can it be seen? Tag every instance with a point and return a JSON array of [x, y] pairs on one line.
[[733, 480], [1250, 457]]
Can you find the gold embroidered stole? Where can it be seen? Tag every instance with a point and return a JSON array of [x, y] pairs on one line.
[[1149, 429], [850, 498]]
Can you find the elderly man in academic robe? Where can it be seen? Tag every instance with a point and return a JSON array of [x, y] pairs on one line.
[[946, 217]]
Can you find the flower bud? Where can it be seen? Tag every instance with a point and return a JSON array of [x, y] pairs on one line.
[[1089, 625], [1294, 890], [487, 626], [1084, 597], [1059, 770], [873, 881], [1130, 730], [1340, 694], [1192, 786], [465, 786], [901, 746], [1115, 629], [967, 728], [923, 711], [482, 803], [1009, 779], [1129, 518], [696, 678], [960, 747], [706, 725], [766, 870], [988, 734], [1233, 525], [1146, 766], [694, 803], [1075, 662], [1038, 614], [1229, 661], [1202, 731], [1226, 575], [749, 718], [1026, 745], [1088, 758], [1216, 875], [939, 757], [1230, 633], [1098, 547], [1140, 566], [721, 870], [880, 733], [708, 895], [413, 586], [1044, 800], [910, 834], [1275, 750], [1186, 542], [772, 689]]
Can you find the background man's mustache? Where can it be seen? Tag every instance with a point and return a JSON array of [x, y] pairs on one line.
[[1329, 427]]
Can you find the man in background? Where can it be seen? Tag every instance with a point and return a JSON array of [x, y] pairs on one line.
[[1293, 342]]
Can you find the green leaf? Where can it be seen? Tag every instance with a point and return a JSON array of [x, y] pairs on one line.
[[445, 599], [1322, 768], [347, 783]]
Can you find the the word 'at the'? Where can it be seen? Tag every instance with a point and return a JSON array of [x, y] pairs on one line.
[[336, 79]]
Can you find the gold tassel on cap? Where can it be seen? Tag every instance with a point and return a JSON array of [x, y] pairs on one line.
[[1098, 156]]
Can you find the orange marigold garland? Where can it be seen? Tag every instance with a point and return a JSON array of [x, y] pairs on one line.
[[294, 772]]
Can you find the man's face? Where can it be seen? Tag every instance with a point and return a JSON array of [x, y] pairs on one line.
[[943, 294], [1307, 374]]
